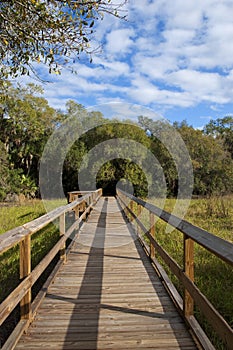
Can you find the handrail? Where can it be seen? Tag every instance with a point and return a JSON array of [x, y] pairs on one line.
[[22, 235], [221, 248], [16, 235]]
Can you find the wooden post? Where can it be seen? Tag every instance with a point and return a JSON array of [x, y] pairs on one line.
[[127, 203], [125, 209], [84, 204], [62, 227], [76, 211], [25, 270], [131, 205], [152, 233], [139, 209], [189, 270]]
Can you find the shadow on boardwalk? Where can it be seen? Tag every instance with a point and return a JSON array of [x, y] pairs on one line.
[[107, 298]]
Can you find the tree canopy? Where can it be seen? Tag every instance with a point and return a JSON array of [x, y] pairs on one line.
[[53, 32], [27, 123], [222, 128]]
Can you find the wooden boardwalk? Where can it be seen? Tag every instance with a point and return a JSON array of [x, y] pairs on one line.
[[107, 295]]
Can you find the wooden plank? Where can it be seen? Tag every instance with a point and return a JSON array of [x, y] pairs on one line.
[[39, 298], [215, 319], [152, 233], [139, 209], [214, 244], [25, 270], [169, 286], [107, 297], [8, 305], [15, 297], [188, 255], [200, 334], [105, 345], [62, 229], [16, 235], [15, 335]]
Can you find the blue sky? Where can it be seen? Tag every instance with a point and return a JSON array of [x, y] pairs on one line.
[[173, 56]]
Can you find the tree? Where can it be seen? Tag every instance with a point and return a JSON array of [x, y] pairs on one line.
[[105, 166], [170, 150], [4, 179], [26, 122], [222, 128], [53, 32], [212, 164]]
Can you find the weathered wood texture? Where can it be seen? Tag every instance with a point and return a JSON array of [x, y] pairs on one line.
[[107, 295], [192, 294]]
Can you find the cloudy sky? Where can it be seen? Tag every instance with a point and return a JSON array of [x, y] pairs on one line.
[[173, 56]]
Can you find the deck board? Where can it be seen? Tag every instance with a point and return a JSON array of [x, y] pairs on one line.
[[107, 296]]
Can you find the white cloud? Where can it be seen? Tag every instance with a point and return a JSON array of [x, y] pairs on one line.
[[169, 53], [121, 110], [119, 41], [112, 68], [148, 93], [154, 67], [178, 37]]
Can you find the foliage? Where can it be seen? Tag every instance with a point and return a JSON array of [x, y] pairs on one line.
[[210, 271], [108, 165], [54, 32], [222, 128], [212, 164], [3, 170], [26, 122]]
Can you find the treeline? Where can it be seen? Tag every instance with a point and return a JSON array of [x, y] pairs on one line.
[[27, 122]]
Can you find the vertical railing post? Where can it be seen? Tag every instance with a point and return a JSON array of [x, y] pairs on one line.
[[84, 204], [139, 209], [131, 208], [152, 233], [62, 227], [88, 204], [76, 211], [25, 270], [189, 271], [125, 206], [126, 210]]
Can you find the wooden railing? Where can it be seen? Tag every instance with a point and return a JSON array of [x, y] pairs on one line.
[[22, 236], [192, 295]]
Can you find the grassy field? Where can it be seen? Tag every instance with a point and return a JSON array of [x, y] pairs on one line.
[[213, 277], [42, 241]]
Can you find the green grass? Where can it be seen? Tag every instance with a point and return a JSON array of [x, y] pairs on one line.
[[42, 241], [212, 276], [17, 215]]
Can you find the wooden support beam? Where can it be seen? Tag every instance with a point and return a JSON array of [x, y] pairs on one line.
[[62, 227], [139, 210], [189, 271], [152, 233], [76, 211], [131, 207], [25, 270]]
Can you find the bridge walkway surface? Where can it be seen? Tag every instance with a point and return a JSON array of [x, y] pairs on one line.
[[107, 295]]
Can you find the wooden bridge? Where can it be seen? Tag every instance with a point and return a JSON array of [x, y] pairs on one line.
[[108, 290]]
